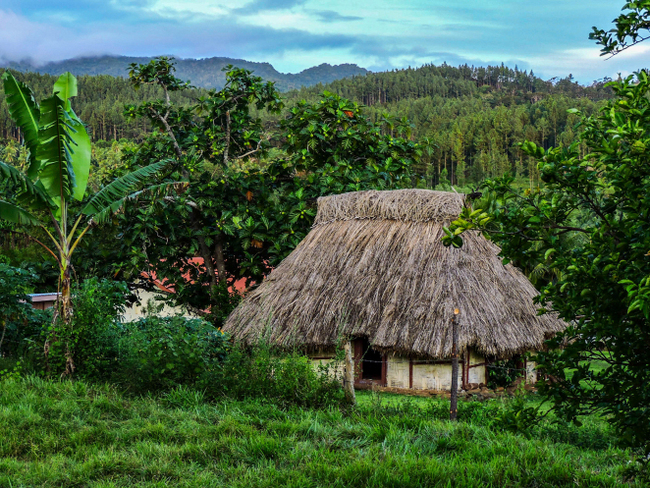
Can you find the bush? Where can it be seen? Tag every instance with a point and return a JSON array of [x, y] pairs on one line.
[[504, 373], [20, 325], [284, 378], [98, 309], [159, 353], [94, 332], [154, 354]]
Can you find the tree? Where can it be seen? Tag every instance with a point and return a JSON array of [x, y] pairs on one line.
[[248, 203], [591, 222], [631, 28], [56, 176]]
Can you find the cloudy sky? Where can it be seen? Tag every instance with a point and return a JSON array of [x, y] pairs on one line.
[[549, 36]]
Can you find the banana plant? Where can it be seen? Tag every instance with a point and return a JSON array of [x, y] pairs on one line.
[[56, 175]]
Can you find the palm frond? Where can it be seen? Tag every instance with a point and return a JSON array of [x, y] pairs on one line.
[[17, 215], [25, 112], [55, 151], [102, 215], [122, 187], [66, 88]]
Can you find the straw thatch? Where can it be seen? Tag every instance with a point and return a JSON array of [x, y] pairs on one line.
[[374, 266]]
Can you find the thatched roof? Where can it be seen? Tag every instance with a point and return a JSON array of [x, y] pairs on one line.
[[374, 266]]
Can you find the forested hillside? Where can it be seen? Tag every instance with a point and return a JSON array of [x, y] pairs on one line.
[[469, 119], [204, 73], [100, 104]]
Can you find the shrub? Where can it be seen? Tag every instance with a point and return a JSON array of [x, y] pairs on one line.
[[98, 309], [94, 332], [284, 378], [504, 372], [159, 353], [20, 324]]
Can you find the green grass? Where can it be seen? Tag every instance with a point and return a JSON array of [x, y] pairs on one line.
[[77, 435]]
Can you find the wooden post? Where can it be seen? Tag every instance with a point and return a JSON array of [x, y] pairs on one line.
[[453, 409], [348, 375]]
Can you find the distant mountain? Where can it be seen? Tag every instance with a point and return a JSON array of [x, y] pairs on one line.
[[206, 73]]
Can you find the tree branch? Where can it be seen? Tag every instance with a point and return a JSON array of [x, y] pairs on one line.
[[225, 151]]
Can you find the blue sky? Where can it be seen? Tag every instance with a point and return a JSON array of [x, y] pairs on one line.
[[549, 36]]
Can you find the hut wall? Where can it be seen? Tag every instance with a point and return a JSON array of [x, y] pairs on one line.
[[401, 372], [476, 374], [138, 311], [397, 372], [336, 370], [531, 372], [434, 376], [324, 357]]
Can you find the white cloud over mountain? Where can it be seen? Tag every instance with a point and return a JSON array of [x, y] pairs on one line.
[[550, 36]]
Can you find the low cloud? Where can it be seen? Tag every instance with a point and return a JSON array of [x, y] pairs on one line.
[[297, 34], [332, 16], [257, 6]]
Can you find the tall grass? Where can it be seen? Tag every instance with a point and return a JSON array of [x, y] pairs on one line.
[[72, 434]]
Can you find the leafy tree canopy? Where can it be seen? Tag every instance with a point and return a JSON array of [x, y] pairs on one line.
[[246, 208], [631, 28], [591, 221]]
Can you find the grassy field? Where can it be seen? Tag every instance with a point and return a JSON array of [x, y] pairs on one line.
[[77, 435]]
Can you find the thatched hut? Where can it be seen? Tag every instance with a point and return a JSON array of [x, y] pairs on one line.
[[373, 269]]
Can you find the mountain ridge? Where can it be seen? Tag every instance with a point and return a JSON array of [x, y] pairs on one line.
[[203, 72]]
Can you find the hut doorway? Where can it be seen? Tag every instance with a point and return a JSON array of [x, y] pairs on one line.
[[369, 365]]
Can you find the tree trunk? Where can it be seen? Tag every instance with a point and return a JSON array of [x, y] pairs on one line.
[[62, 321], [221, 262], [66, 317], [453, 409]]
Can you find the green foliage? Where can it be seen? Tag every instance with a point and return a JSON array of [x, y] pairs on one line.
[[519, 417], [590, 221], [503, 373], [24, 110], [159, 71], [240, 214], [19, 322], [334, 140], [276, 376], [158, 353], [470, 118], [99, 306], [632, 27], [58, 175], [74, 433]]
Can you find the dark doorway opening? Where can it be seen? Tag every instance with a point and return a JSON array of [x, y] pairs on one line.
[[370, 365]]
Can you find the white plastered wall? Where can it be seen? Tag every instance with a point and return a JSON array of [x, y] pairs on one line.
[[531, 372], [397, 372], [476, 374], [136, 312]]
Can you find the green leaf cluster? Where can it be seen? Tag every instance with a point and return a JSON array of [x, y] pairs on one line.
[[591, 222]]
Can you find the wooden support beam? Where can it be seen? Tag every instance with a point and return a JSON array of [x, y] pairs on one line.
[[453, 408], [348, 375]]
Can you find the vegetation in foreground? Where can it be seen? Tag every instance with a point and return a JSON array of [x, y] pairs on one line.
[[68, 434]]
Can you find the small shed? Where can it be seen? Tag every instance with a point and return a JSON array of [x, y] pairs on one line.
[[43, 301], [373, 269]]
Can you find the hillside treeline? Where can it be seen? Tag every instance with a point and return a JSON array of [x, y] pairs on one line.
[[469, 119], [100, 104], [508, 86]]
